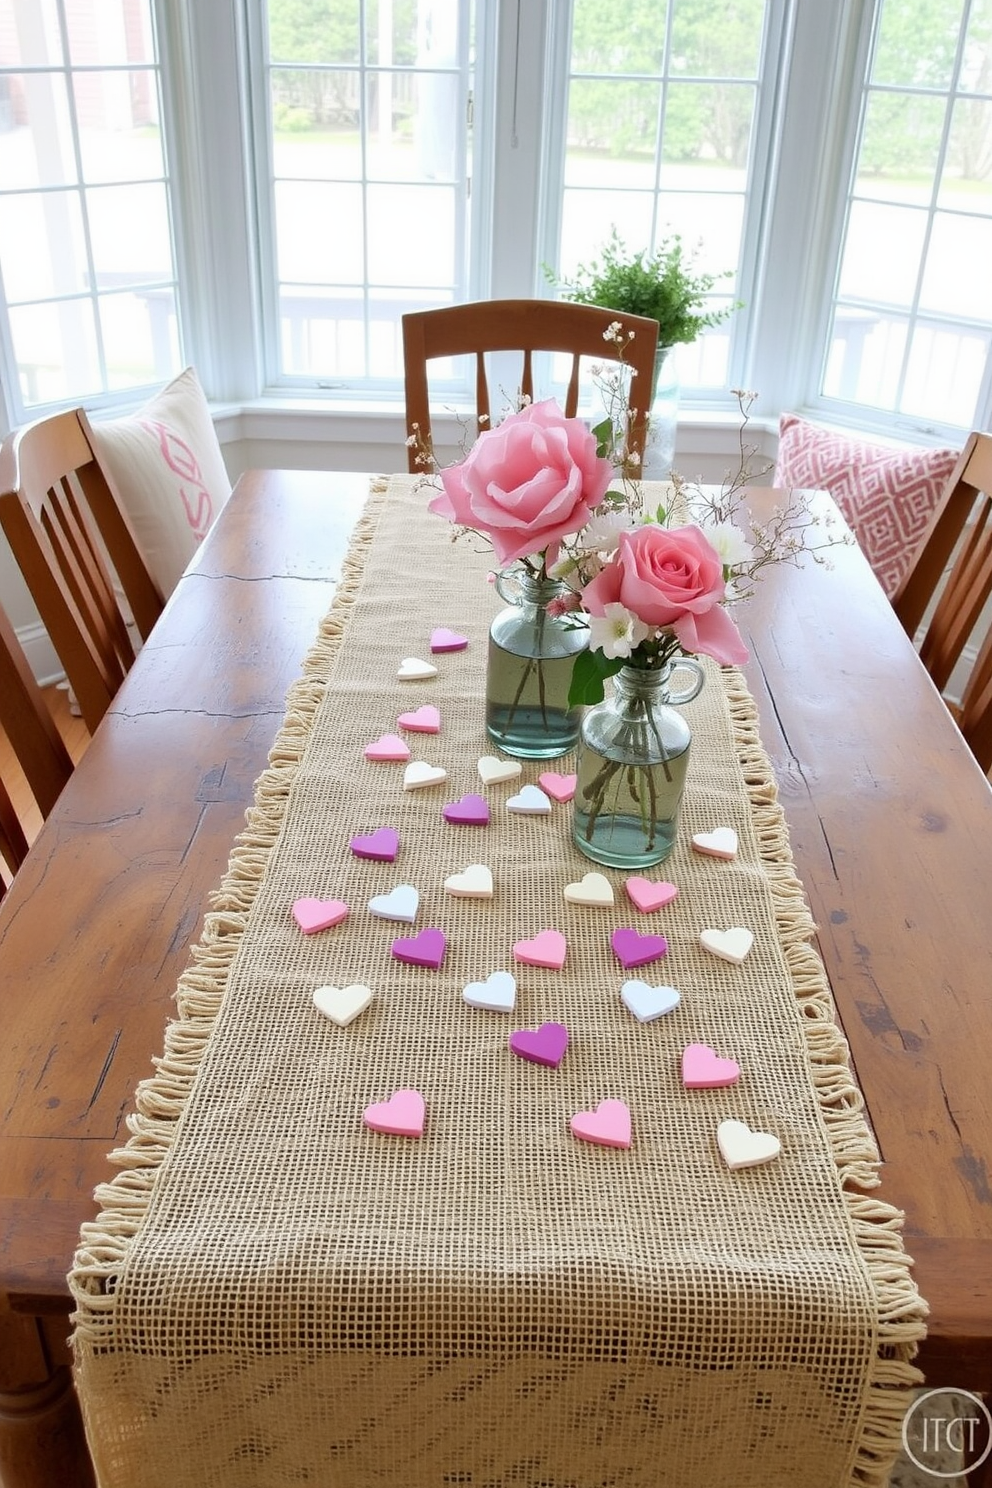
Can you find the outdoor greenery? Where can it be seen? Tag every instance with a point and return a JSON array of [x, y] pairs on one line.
[[663, 285]]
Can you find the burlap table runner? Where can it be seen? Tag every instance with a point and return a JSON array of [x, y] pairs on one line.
[[274, 1294]]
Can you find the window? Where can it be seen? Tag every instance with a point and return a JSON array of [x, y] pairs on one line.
[[911, 319], [86, 243]]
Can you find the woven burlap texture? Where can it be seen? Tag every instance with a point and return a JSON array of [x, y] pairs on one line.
[[272, 1294]]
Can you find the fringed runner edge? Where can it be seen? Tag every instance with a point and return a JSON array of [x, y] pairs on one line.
[[876, 1226], [159, 1100]]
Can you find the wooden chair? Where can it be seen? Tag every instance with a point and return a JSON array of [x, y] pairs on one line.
[[958, 544], [64, 522], [36, 743], [525, 326]]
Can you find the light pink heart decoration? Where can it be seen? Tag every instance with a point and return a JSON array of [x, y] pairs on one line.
[[319, 914], [425, 720], [647, 895], [559, 787], [547, 949], [607, 1126], [387, 747], [402, 1115], [703, 1069], [443, 639]]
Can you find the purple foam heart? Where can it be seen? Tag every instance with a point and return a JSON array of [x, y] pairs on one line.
[[470, 811], [425, 949], [443, 639], [544, 1045], [383, 844], [632, 949]]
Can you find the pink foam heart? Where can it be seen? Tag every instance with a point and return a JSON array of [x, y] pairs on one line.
[[547, 949], [559, 787], [632, 949], [647, 895], [387, 747], [607, 1126], [470, 811], [544, 1045], [425, 949], [402, 1115], [425, 720], [383, 844], [319, 914], [443, 639], [703, 1069]]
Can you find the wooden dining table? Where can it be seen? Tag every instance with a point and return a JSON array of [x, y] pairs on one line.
[[891, 830]]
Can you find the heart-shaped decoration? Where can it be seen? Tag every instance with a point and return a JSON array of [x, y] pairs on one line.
[[412, 669], [402, 1115], [419, 775], [703, 1069], [470, 811], [647, 895], [400, 903], [475, 883], [319, 914], [493, 770], [387, 747], [633, 949], [720, 843], [647, 1003], [382, 845], [443, 639], [425, 949], [531, 801], [594, 890], [544, 1045], [607, 1126], [342, 1004], [498, 993], [425, 720], [729, 945], [549, 949], [559, 787], [743, 1148]]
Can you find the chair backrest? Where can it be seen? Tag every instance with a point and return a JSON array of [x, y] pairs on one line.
[[34, 739], [957, 549], [63, 522], [524, 326]]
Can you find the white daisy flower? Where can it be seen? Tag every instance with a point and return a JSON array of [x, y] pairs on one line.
[[616, 632]]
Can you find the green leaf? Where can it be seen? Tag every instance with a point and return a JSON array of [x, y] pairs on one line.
[[603, 434], [589, 671]]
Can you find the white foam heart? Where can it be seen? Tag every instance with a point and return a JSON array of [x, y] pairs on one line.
[[342, 1004], [729, 945], [720, 843], [531, 801], [475, 883], [419, 774], [593, 889], [743, 1148], [400, 903], [493, 770], [412, 669], [498, 993], [647, 1003]]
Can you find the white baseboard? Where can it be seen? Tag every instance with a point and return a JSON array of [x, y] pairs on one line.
[[40, 653]]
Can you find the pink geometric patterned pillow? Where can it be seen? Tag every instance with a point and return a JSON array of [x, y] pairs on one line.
[[886, 494]]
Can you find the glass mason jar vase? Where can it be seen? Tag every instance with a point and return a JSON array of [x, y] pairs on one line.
[[529, 669], [633, 757]]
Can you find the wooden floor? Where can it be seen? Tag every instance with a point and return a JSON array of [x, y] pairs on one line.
[[76, 736]]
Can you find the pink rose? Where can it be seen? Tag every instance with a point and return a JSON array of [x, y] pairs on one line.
[[528, 483], [671, 578]]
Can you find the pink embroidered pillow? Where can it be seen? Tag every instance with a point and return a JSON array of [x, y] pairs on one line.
[[166, 464], [886, 494]]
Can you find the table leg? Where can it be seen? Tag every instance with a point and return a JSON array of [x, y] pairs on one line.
[[42, 1443]]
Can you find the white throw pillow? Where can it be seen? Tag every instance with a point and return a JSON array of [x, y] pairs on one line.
[[166, 464]]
